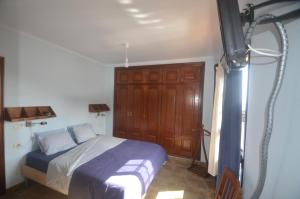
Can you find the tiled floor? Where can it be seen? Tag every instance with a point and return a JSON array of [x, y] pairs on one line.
[[173, 181], [174, 178]]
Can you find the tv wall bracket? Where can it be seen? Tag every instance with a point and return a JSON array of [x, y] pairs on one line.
[[247, 16], [232, 22]]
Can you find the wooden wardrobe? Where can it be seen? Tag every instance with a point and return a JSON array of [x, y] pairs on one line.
[[161, 104]]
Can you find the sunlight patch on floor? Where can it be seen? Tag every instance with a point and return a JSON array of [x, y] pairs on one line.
[[170, 195]]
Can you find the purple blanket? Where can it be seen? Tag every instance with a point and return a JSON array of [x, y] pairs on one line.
[[129, 162]]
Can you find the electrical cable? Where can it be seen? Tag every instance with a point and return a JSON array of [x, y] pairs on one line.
[[263, 51], [269, 114]]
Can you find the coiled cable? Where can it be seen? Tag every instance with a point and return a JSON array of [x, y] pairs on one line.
[[269, 114]]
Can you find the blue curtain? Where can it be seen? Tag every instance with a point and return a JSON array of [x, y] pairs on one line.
[[229, 151]]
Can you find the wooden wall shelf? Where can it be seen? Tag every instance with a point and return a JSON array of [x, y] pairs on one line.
[[16, 114], [97, 108]]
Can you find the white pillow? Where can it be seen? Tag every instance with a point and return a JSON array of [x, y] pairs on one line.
[[82, 132], [55, 141]]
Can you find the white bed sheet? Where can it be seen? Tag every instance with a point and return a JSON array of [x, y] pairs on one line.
[[60, 169]]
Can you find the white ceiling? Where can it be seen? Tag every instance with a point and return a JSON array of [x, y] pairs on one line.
[[171, 29]]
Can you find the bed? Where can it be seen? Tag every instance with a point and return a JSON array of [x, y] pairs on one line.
[[103, 167]]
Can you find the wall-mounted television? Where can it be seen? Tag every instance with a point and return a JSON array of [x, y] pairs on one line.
[[232, 32]]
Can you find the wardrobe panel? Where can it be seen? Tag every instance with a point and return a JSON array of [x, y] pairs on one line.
[[190, 73], [189, 117], [121, 108], [171, 75], [136, 112], [153, 75], [169, 117], [137, 76], [122, 76], [152, 112]]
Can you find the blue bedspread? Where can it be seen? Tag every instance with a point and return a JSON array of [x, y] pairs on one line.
[[130, 161], [38, 160]]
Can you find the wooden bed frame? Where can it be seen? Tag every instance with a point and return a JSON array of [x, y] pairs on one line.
[[40, 177], [37, 176]]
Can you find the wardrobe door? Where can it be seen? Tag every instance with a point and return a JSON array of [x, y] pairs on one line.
[[121, 106], [190, 118], [191, 72], [137, 76], [169, 117], [136, 112], [122, 76], [171, 75], [152, 112], [153, 75]]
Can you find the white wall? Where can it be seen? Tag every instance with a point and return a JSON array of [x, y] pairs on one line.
[[283, 179], [40, 73]]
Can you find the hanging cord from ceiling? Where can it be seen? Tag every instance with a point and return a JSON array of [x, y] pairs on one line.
[[126, 46], [269, 116]]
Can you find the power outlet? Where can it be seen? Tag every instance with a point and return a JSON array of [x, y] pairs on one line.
[[18, 125], [17, 146]]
